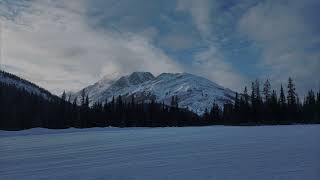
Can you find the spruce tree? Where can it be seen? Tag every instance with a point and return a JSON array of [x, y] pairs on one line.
[[274, 108], [282, 99], [87, 102], [318, 108], [274, 98], [83, 97], [245, 108], [64, 96], [237, 103], [267, 91], [292, 102], [318, 97], [253, 94], [291, 98], [246, 96], [257, 89]]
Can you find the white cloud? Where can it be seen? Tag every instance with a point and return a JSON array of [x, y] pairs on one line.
[[210, 62], [51, 43], [200, 12]]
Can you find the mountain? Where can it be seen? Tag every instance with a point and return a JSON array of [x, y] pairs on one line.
[[194, 92], [13, 80]]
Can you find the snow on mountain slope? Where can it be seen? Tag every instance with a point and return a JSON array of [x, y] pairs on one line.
[[12, 80], [95, 89], [107, 87], [194, 92]]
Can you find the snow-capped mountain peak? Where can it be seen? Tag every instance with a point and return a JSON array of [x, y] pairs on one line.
[[194, 92], [134, 79]]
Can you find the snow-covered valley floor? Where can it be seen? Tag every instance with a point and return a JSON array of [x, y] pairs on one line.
[[218, 152]]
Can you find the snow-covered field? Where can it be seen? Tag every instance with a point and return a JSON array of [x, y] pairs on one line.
[[227, 153]]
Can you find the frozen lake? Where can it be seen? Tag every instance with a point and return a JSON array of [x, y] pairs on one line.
[[217, 152]]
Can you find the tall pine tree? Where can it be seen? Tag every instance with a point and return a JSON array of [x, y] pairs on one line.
[[267, 91]]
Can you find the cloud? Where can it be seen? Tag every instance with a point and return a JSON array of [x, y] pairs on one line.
[[52, 43], [286, 37], [71, 44], [210, 62], [200, 13]]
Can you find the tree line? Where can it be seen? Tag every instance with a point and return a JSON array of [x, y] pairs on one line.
[[266, 107], [20, 109]]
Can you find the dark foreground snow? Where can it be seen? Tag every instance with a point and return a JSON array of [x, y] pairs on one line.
[[227, 153]]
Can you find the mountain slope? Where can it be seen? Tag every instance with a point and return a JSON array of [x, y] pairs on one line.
[[107, 88], [95, 89], [194, 92], [13, 80]]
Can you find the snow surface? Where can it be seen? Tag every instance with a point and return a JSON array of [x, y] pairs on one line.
[[217, 152]]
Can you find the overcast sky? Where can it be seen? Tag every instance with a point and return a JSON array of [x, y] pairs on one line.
[[69, 44]]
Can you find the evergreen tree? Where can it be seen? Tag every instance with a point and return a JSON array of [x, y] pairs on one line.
[[215, 114], [83, 97], [274, 98], [257, 89], [267, 91], [87, 102], [274, 108], [64, 96], [282, 99], [292, 102], [237, 103], [246, 96], [253, 94], [291, 98], [318, 97]]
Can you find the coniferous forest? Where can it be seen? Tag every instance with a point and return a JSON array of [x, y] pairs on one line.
[[20, 109]]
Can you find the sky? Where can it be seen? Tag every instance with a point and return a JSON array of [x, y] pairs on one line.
[[67, 45]]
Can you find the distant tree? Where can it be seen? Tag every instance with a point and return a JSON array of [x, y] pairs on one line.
[[274, 98], [176, 102], [318, 107], [237, 103], [282, 99], [64, 96], [253, 94], [215, 114], [257, 89], [318, 97], [69, 98], [246, 96], [172, 103], [83, 97], [291, 98], [274, 108], [87, 101], [256, 101], [267, 91]]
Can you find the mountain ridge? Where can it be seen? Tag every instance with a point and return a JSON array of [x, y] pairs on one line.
[[13, 80]]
